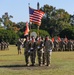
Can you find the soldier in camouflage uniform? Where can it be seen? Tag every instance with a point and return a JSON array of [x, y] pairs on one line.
[[0, 46], [5, 45], [19, 46], [32, 46], [73, 45], [70, 45], [27, 51], [56, 45], [63, 45], [40, 46], [48, 50]]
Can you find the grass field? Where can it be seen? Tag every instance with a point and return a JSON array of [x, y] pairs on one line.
[[62, 63]]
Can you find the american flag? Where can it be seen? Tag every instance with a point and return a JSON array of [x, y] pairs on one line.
[[35, 16]]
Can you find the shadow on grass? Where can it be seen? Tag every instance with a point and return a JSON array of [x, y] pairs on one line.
[[21, 67], [7, 66]]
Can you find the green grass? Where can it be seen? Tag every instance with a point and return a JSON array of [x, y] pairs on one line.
[[62, 63]]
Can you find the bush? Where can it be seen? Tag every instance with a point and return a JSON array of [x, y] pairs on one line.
[[8, 35], [42, 33], [68, 32]]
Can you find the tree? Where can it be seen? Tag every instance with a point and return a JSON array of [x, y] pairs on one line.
[[68, 32], [21, 25], [42, 33], [6, 20], [8, 35], [55, 20], [72, 20]]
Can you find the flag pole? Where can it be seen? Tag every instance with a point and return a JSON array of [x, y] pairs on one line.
[[29, 21], [38, 30], [38, 25]]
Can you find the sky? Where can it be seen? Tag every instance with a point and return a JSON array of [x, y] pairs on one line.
[[20, 11]]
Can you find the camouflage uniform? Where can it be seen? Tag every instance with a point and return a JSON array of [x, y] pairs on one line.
[[0, 46], [48, 50], [27, 51], [7, 45], [56, 45], [19, 46], [70, 45], [40, 46], [32, 46], [63, 45], [73, 45]]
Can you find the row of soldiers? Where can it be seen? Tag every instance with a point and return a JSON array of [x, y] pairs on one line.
[[39, 47], [42, 48], [63, 45], [4, 45]]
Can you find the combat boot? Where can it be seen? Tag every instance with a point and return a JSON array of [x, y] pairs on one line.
[[27, 65], [40, 64], [48, 65]]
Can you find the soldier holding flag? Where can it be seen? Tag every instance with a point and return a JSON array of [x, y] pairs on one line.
[[32, 46], [40, 50]]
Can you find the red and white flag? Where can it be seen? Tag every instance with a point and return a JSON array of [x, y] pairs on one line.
[[35, 16], [26, 32]]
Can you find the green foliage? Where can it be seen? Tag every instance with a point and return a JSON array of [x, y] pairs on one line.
[[20, 34], [6, 20], [68, 32], [55, 20], [22, 26], [72, 20], [8, 35], [42, 33]]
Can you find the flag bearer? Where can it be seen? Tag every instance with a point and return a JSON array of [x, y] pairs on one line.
[[40, 46], [32, 46], [27, 51]]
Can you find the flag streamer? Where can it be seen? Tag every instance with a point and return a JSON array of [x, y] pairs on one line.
[[26, 32]]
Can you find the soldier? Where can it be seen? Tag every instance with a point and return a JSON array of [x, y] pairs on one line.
[[63, 45], [56, 45], [70, 45], [40, 46], [48, 50], [27, 50], [0, 46], [73, 45], [32, 46], [19, 46], [7, 45]]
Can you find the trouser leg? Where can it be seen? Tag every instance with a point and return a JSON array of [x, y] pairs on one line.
[[32, 56], [27, 57]]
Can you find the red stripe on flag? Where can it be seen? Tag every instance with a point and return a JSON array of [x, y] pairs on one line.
[[36, 16]]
